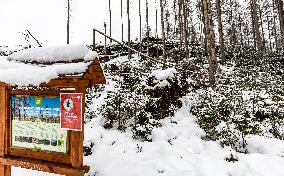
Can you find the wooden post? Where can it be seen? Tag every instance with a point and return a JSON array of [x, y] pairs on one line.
[[94, 40], [77, 138], [4, 170]]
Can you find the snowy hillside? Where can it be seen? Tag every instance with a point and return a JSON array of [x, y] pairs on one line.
[[179, 147], [177, 150]]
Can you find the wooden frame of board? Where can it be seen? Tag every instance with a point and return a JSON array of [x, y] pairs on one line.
[[71, 163]]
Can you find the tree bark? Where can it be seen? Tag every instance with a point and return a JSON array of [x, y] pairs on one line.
[[121, 16], [109, 7], [163, 28], [180, 21], [220, 30], [129, 40], [184, 8], [210, 41], [147, 26], [140, 26], [279, 5], [255, 20], [68, 21]]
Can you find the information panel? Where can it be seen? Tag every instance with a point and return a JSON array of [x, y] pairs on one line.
[[36, 123], [71, 111]]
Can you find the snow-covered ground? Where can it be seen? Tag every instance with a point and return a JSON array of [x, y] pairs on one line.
[[177, 150]]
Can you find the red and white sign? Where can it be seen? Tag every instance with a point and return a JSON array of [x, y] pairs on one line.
[[71, 111]]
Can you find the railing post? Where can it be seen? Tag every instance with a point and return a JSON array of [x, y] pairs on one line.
[[94, 39]]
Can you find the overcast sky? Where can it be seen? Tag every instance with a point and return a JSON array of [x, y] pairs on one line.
[[46, 19]]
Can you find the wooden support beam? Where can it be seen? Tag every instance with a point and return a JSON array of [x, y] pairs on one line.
[[44, 166]]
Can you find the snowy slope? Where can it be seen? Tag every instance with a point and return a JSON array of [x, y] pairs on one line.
[[178, 149]]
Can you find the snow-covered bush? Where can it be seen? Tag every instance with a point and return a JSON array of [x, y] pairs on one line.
[[248, 99]]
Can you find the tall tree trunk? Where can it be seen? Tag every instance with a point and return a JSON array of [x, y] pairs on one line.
[[129, 40], [68, 21], [109, 8], [203, 21], [147, 26], [163, 29], [140, 26], [279, 5], [180, 21], [157, 36], [121, 16], [262, 30], [184, 8], [210, 41], [269, 33], [241, 30], [255, 20], [220, 30]]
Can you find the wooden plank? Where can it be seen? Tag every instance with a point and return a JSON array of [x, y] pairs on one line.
[[5, 170], [47, 156], [41, 92], [44, 166], [2, 120]]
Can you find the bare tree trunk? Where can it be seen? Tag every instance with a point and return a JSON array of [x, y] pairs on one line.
[[147, 26], [255, 20], [279, 5], [241, 30], [140, 26], [180, 21], [129, 45], [121, 15], [109, 7], [262, 30], [175, 19], [210, 41], [204, 28], [163, 29], [220, 30], [275, 33], [269, 33], [157, 36], [105, 38], [68, 21], [184, 8]]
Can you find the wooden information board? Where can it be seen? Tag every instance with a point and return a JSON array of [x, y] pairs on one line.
[[31, 135]]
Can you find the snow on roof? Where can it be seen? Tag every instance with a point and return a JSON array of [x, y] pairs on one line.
[[14, 70], [51, 54]]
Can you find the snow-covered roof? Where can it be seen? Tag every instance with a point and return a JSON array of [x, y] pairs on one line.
[[40, 65], [64, 53]]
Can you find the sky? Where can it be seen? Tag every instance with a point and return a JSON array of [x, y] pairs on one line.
[[46, 20]]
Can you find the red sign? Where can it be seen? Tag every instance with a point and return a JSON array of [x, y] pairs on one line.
[[71, 111]]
